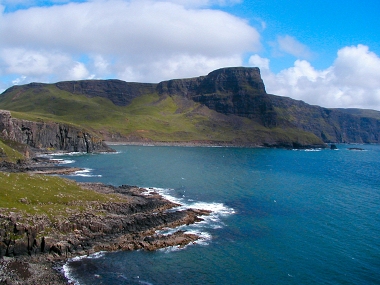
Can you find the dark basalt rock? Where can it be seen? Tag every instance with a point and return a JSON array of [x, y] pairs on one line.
[[102, 226], [331, 125], [121, 93], [232, 91], [356, 148], [41, 135]]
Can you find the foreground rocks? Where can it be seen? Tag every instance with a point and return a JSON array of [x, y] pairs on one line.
[[32, 245], [37, 165], [45, 135]]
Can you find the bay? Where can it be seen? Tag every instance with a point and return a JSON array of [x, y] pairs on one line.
[[280, 216]]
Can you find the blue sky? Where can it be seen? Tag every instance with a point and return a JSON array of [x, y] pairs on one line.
[[324, 26], [322, 52]]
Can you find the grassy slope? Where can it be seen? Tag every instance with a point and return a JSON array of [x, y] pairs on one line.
[[50, 195], [361, 112], [149, 116], [7, 153]]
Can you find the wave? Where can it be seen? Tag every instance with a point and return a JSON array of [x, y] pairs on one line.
[[307, 149], [211, 221], [74, 153], [85, 173], [63, 161], [66, 267]]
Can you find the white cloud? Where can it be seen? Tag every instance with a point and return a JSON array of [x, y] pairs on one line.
[[154, 40], [353, 80], [78, 71], [205, 3], [292, 46], [39, 65], [260, 62]]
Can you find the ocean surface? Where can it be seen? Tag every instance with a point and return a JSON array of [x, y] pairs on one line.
[[280, 216]]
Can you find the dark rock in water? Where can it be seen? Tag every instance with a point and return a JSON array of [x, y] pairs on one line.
[[333, 146], [125, 225], [356, 148]]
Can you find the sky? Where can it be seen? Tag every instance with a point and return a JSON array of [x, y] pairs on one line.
[[324, 52]]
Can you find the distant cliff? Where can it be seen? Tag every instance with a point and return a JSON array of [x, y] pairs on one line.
[[240, 91], [231, 91], [49, 135], [119, 92], [331, 125], [229, 105]]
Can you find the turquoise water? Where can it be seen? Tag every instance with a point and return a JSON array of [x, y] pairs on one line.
[[281, 216]]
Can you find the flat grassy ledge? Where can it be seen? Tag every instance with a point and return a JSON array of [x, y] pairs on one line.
[[50, 195]]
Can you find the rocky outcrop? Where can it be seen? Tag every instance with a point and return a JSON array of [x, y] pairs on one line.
[[42, 135], [101, 226], [121, 93], [235, 93], [232, 91], [331, 125]]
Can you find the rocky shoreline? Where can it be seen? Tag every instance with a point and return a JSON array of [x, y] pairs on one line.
[[36, 258], [213, 144]]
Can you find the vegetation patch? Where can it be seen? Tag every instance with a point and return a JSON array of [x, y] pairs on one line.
[[8, 153], [50, 195]]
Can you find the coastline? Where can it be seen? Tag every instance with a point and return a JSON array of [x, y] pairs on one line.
[[130, 225], [215, 144], [181, 144]]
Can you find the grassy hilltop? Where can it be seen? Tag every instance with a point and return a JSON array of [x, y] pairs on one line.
[[151, 117], [229, 105]]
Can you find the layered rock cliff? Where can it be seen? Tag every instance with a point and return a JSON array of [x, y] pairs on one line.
[[121, 93], [237, 107], [331, 125], [232, 91], [40, 135]]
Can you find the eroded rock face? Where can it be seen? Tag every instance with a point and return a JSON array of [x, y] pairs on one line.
[[7, 126], [239, 91], [121, 93], [102, 226], [331, 125], [41, 135]]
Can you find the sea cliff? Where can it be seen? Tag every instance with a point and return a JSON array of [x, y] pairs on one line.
[[49, 135]]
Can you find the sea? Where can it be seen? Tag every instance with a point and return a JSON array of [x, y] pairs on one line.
[[279, 216]]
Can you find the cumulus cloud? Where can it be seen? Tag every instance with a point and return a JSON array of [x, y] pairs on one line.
[[145, 40], [46, 66], [292, 46], [260, 62], [205, 3], [353, 80]]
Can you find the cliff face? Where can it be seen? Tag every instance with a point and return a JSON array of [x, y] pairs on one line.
[[331, 125], [49, 135], [121, 93], [231, 91], [232, 94]]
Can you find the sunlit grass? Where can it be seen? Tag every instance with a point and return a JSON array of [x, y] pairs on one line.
[[50, 195], [150, 116], [9, 154]]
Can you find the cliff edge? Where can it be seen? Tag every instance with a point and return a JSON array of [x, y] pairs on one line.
[[54, 136]]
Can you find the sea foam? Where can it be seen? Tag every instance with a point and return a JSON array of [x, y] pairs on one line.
[[211, 221], [87, 172]]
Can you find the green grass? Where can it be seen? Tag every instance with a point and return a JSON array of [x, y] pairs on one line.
[[153, 117], [50, 195], [9, 154]]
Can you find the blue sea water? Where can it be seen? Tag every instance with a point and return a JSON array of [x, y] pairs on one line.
[[280, 216]]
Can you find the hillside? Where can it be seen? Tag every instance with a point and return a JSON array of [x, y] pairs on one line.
[[228, 106]]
